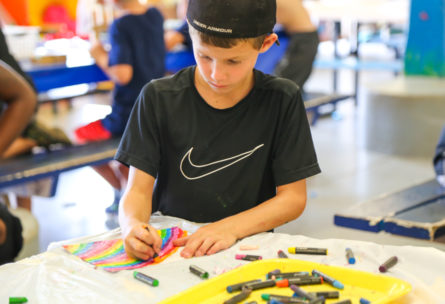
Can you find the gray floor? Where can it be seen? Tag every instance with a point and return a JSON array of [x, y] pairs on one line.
[[351, 174]]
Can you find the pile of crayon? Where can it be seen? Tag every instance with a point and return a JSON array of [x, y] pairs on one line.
[[293, 281]]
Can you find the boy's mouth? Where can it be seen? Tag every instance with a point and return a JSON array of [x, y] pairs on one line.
[[219, 86]]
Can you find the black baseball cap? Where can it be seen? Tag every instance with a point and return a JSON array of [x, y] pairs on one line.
[[232, 18]]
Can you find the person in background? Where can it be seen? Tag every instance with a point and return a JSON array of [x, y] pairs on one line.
[[35, 134], [220, 142], [439, 159], [20, 101], [293, 22], [298, 59], [137, 56]]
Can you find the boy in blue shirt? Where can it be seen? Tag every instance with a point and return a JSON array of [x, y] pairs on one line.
[[137, 56], [226, 144]]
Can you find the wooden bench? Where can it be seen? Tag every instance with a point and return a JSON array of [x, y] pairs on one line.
[[418, 212]]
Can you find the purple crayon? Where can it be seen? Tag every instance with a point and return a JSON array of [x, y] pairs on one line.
[[388, 264]]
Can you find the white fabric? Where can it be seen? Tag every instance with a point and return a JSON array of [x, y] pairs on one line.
[[56, 276]]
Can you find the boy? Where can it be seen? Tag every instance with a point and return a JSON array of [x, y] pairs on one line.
[[226, 144], [137, 56]]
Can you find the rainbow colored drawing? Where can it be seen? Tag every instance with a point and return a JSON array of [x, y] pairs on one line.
[[110, 254]]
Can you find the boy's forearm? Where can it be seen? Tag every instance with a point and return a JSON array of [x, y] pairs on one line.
[[135, 207]]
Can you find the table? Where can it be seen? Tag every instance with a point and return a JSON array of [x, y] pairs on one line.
[[58, 277]]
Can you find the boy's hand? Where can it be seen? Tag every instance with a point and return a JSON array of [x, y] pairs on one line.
[[141, 241], [206, 240]]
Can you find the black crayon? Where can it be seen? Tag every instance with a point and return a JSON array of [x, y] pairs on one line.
[[239, 286], [244, 294], [306, 250], [326, 294], [199, 272], [287, 275], [262, 284], [305, 280], [347, 301]]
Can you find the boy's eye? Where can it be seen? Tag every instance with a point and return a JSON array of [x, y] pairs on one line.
[[231, 61], [205, 57]]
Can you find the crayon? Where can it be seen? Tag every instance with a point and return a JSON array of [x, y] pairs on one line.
[[244, 294], [281, 298], [364, 301], [273, 273], [199, 272], [306, 250], [248, 257], [260, 285], [326, 294], [248, 247], [281, 254], [350, 256], [17, 300], [347, 301], [328, 279], [300, 292], [388, 264], [155, 255], [299, 281], [239, 286], [287, 275], [145, 278]]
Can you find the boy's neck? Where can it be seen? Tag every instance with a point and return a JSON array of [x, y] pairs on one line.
[[222, 100]]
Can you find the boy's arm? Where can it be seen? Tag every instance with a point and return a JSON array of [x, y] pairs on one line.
[[134, 214], [287, 205], [21, 100], [119, 73]]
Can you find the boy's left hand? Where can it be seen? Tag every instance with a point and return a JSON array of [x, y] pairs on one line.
[[206, 240]]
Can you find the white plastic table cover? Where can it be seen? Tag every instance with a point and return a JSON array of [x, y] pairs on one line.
[[56, 276]]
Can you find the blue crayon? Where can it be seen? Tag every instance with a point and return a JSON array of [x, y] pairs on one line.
[[328, 279], [350, 256], [364, 301]]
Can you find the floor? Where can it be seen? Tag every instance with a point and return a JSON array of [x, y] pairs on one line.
[[351, 174]]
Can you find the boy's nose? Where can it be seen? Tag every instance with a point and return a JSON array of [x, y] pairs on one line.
[[218, 72]]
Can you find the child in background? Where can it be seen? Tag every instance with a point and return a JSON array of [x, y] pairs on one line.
[[21, 102], [35, 134], [137, 56], [439, 159], [226, 144]]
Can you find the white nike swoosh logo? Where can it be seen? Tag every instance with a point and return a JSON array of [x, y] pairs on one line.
[[233, 159]]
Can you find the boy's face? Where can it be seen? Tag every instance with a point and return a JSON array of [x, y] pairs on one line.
[[224, 70]]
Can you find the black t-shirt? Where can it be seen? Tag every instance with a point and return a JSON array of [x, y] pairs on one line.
[[211, 163]]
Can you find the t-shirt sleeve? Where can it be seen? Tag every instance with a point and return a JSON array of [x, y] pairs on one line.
[[120, 52], [294, 155], [140, 143]]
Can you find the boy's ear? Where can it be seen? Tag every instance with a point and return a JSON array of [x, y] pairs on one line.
[[268, 42]]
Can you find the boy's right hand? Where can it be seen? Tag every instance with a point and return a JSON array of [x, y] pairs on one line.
[[141, 241]]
